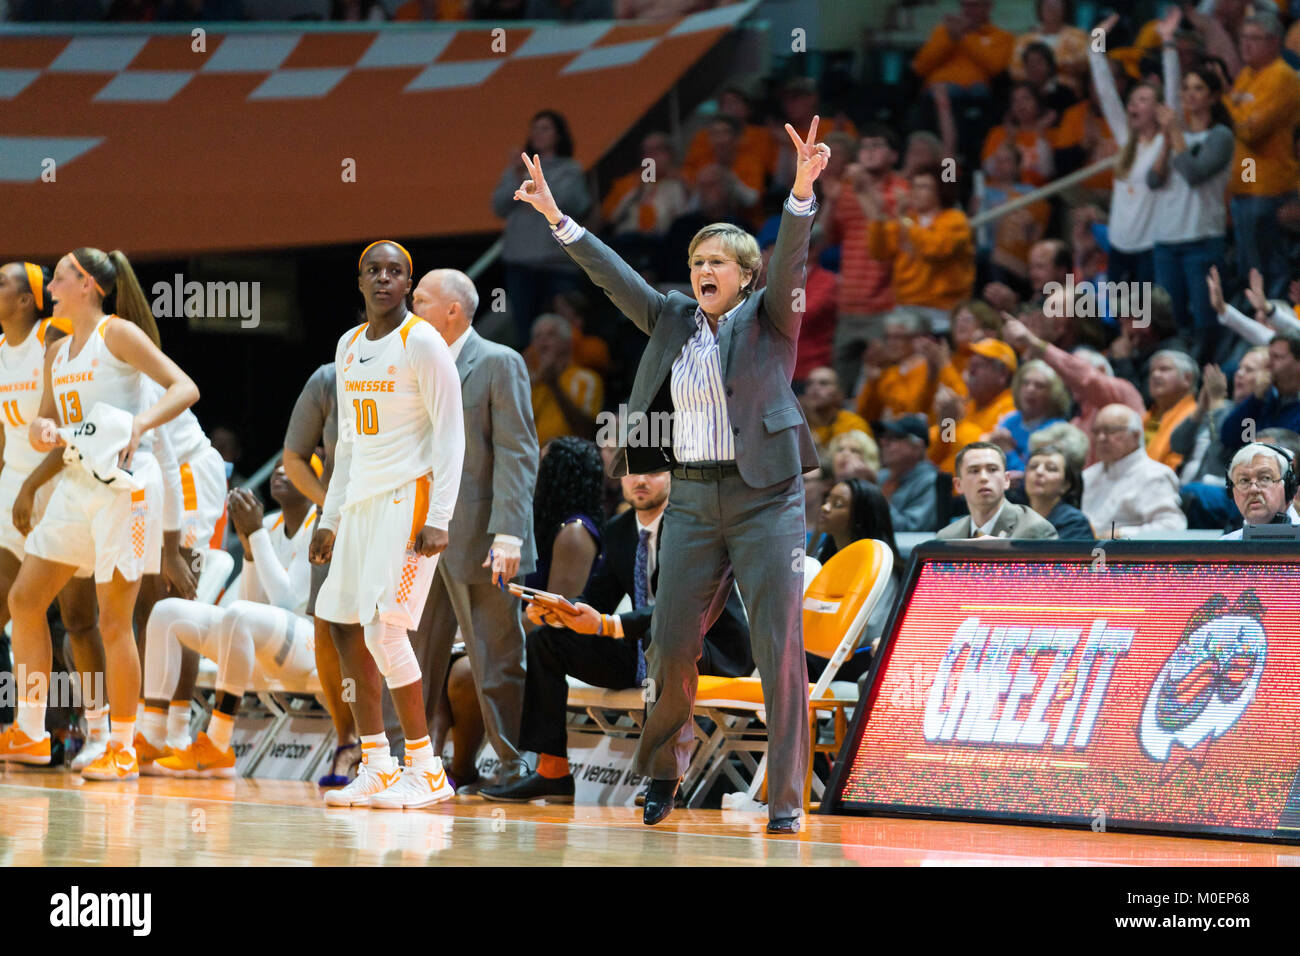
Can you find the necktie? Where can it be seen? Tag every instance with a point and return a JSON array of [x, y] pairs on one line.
[[641, 592]]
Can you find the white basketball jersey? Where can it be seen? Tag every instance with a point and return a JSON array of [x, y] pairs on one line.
[[93, 375], [184, 432], [381, 408], [22, 380]]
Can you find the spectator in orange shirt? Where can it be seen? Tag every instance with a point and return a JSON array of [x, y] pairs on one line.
[[965, 51], [646, 200], [930, 247], [724, 133], [963, 54], [895, 379], [1025, 128], [799, 104], [902, 370], [1265, 107], [755, 140], [823, 405], [1067, 44], [865, 292], [589, 351], [1171, 382], [988, 382], [566, 397]]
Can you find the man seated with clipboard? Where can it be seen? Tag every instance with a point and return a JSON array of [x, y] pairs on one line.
[[587, 639]]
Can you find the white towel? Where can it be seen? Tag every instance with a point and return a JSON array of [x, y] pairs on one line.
[[96, 442]]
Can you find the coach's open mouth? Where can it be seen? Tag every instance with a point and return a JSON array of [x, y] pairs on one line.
[[708, 288]]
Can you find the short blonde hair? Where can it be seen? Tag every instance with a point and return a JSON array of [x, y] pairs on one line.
[[738, 243], [1059, 395], [859, 441]]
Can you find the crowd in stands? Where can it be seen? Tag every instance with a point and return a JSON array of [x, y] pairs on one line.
[[1089, 337]]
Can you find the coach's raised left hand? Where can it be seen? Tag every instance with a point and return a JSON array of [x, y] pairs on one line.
[[430, 541], [537, 194], [813, 157]]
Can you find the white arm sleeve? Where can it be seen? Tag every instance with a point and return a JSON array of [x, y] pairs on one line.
[[1256, 333], [171, 476], [271, 576], [439, 382]]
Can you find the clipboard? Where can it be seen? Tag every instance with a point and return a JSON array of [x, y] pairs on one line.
[[546, 599]]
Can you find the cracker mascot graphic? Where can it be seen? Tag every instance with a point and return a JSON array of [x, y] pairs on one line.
[[1207, 683]]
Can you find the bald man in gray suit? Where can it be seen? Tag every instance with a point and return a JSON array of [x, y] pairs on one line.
[[491, 532]]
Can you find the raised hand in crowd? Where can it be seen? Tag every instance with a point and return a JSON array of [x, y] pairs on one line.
[[1257, 297], [1215, 286], [1214, 390]]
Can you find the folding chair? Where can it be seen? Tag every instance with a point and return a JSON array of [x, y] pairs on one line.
[[835, 613], [619, 713]]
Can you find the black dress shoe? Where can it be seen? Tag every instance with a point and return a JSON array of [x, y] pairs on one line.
[[679, 801], [659, 800], [532, 787], [783, 825]]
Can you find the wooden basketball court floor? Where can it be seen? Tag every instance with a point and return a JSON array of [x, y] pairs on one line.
[[52, 818]]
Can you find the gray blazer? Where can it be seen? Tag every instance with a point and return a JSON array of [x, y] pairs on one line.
[[756, 350], [500, 470], [1016, 521]]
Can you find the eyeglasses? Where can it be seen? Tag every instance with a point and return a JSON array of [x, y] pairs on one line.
[[714, 263], [1262, 482]]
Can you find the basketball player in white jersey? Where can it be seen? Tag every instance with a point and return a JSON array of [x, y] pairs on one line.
[[24, 476], [194, 498], [390, 501], [267, 626], [23, 302], [88, 524]]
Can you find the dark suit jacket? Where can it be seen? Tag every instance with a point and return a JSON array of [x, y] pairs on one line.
[[756, 352], [496, 482], [726, 644]]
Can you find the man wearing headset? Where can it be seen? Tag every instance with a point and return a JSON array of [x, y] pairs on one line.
[[1263, 482]]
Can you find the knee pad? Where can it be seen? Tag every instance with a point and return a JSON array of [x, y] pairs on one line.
[[390, 646]]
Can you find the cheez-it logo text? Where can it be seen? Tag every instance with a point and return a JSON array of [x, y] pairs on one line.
[[982, 704]]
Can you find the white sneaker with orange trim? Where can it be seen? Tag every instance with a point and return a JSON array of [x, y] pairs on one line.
[[368, 782], [202, 758], [116, 763], [416, 788], [17, 747]]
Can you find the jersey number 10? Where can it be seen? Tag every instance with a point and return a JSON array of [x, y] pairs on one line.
[[367, 416]]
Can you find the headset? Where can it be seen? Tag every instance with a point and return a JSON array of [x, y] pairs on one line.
[[1289, 480]]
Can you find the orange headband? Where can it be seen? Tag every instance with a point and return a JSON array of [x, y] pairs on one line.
[[36, 282], [82, 270], [379, 242]]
